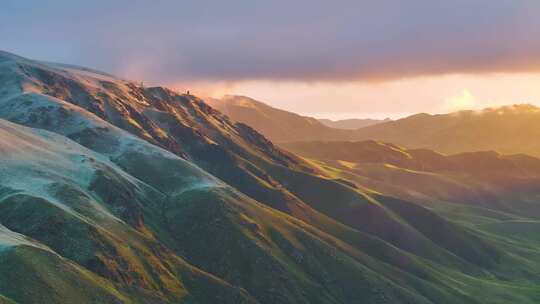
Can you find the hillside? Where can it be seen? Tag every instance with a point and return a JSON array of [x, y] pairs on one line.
[[369, 152], [507, 130], [487, 181], [492, 194], [278, 125], [115, 193], [76, 227]]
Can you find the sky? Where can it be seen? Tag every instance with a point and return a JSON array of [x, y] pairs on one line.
[[335, 59]]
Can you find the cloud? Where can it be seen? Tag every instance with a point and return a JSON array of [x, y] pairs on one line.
[[336, 41]]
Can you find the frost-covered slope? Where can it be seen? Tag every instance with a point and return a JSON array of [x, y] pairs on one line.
[[56, 99], [82, 229], [74, 208], [145, 195]]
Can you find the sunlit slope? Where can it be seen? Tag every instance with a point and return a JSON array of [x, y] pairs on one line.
[[507, 130], [480, 163], [507, 183], [188, 127], [76, 226], [130, 234], [493, 194], [162, 229], [472, 188], [277, 125]]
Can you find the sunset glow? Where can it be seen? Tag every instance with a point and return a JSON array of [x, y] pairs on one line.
[[376, 59], [394, 99]]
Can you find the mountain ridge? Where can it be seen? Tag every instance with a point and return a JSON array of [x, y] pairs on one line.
[[175, 202], [464, 131], [456, 132], [278, 125]]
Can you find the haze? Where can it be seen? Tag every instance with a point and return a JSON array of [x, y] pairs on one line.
[[338, 60]]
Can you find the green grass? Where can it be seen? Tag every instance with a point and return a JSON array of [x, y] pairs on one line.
[[150, 227]]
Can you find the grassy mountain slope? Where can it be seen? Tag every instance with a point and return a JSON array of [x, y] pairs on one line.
[[277, 125], [75, 222], [183, 124], [99, 233], [484, 191], [507, 130], [506, 183], [130, 187], [188, 127]]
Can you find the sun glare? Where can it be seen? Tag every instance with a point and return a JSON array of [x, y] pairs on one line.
[[463, 101]]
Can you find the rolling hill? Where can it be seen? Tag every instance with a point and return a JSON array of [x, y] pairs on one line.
[[115, 193], [277, 125], [507, 129], [478, 182]]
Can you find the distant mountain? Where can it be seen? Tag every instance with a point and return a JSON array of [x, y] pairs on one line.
[[352, 124], [115, 193], [507, 129], [278, 125], [498, 183]]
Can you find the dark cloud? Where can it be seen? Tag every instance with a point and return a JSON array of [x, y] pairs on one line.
[[287, 40]]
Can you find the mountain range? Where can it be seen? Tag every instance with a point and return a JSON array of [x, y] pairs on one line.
[[506, 129], [111, 192], [275, 124]]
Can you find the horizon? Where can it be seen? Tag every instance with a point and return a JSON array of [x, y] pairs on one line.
[[375, 60], [318, 115]]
